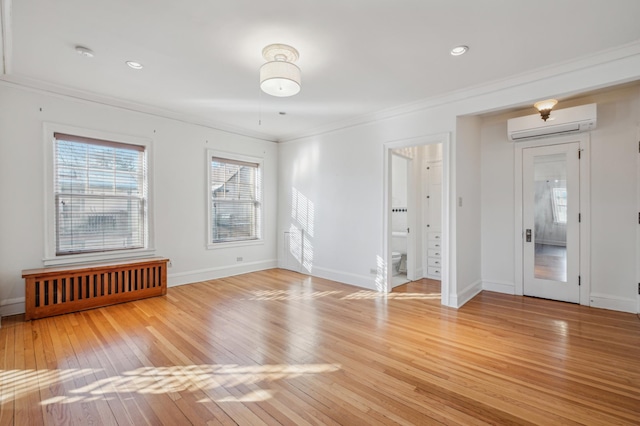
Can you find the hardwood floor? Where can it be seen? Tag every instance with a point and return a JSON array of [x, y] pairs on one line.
[[276, 347]]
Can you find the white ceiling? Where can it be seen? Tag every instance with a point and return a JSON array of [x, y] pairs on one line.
[[357, 57]]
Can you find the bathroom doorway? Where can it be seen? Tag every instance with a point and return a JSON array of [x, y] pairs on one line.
[[416, 226], [401, 179]]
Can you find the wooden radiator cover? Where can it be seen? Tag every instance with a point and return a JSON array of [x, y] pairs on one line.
[[64, 289]]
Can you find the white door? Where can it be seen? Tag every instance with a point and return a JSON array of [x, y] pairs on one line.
[[550, 210]]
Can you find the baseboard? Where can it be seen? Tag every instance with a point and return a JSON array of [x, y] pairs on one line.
[[613, 303], [368, 282], [499, 287], [465, 295], [12, 307], [190, 277]]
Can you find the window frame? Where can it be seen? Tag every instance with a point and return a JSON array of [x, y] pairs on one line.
[[51, 258], [211, 153]]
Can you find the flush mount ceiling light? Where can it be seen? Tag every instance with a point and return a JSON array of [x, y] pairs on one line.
[[84, 51], [280, 76], [135, 65], [545, 107], [459, 50]]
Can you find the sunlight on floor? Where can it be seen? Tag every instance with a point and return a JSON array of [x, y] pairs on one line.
[[367, 294], [215, 380], [290, 294], [297, 294]]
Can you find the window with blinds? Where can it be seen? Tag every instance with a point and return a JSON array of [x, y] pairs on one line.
[[235, 200], [100, 193]]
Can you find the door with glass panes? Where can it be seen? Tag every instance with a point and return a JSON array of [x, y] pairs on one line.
[[551, 229]]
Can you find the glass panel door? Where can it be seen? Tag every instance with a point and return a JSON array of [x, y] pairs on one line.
[[551, 191]]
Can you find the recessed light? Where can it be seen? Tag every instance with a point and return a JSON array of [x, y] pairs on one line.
[[84, 51], [459, 50], [135, 65]]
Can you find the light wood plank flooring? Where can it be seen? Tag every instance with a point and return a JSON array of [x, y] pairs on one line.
[[276, 347]]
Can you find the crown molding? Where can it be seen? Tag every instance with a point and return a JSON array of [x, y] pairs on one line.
[[584, 62], [64, 92]]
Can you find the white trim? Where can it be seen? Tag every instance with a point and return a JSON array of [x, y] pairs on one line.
[[448, 244], [63, 92], [458, 300], [420, 272], [49, 256], [238, 157], [499, 287], [363, 281], [617, 53], [637, 283], [585, 219], [98, 257], [624, 72], [585, 210], [614, 303], [12, 307], [199, 275], [6, 37]]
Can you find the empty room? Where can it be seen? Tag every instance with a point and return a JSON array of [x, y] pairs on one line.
[[320, 213]]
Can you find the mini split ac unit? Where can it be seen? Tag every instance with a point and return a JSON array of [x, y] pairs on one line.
[[562, 122]]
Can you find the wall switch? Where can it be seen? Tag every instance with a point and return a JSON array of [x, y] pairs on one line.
[[238, 259], [459, 201], [373, 271]]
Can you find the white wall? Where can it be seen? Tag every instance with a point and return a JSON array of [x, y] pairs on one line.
[[339, 174], [179, 152], [468, 211], [342, 171], [399, 184], [614, 215]]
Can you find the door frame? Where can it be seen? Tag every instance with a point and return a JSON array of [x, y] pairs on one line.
[[447, 244], [585, 211], [638, 227]]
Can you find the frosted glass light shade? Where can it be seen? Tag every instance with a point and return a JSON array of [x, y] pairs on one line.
[[280, 78], [546, 104]]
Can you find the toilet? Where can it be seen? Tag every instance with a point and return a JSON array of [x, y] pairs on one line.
[[396, 257]]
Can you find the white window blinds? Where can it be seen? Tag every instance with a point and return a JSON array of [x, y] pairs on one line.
[[235, 200], [100, 191]]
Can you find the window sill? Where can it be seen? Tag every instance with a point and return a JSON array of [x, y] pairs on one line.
[[97, 257], [231, 244]]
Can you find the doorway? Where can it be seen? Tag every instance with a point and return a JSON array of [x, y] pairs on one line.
[[419, 150], [552, 219], [402, 220], [550, 210]]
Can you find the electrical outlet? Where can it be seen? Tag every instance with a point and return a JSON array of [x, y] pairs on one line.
[[238, 259], [170, 264]]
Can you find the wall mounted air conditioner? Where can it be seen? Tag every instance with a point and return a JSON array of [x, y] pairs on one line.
[[562, 122]]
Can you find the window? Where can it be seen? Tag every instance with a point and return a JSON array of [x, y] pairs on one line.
[[559, 201], [100, 195], [235, 212]]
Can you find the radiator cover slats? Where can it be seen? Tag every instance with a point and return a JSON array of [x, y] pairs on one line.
[[60, 290]]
